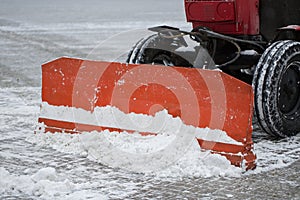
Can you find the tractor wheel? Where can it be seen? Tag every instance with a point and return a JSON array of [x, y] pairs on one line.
[[156, 50], [276, 84]]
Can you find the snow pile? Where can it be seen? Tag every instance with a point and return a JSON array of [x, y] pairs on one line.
[[148, 154], [196, 163], [173, 145], [191, 162], [108, 116], [45, 184], [173, 152]]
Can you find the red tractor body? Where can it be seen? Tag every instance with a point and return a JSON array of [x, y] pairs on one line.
[[243, 17], [233, 17]]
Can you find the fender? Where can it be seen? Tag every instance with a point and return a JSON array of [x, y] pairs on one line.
[[290, 32], [290, 27]]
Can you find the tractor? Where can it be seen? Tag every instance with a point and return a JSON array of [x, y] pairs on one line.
[[256, 41], [241, 58]]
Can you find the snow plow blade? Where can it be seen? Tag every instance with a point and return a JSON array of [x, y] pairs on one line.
[[200, 98]]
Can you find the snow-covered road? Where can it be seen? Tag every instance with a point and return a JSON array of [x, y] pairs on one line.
[[56, 166]]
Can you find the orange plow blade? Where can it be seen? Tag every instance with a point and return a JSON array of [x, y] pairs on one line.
[[74, 89]]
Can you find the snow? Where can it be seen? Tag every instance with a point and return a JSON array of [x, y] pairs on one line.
[[276, 154], [148, 153], [193, 163], [112, 117], [138, 153], [45, 184], [134, 152], [249, 52]]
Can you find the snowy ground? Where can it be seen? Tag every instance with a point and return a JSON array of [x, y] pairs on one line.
[[57, 166]]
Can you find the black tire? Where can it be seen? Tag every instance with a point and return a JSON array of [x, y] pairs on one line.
[[132, 57], [276, 84], [156, 50]]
